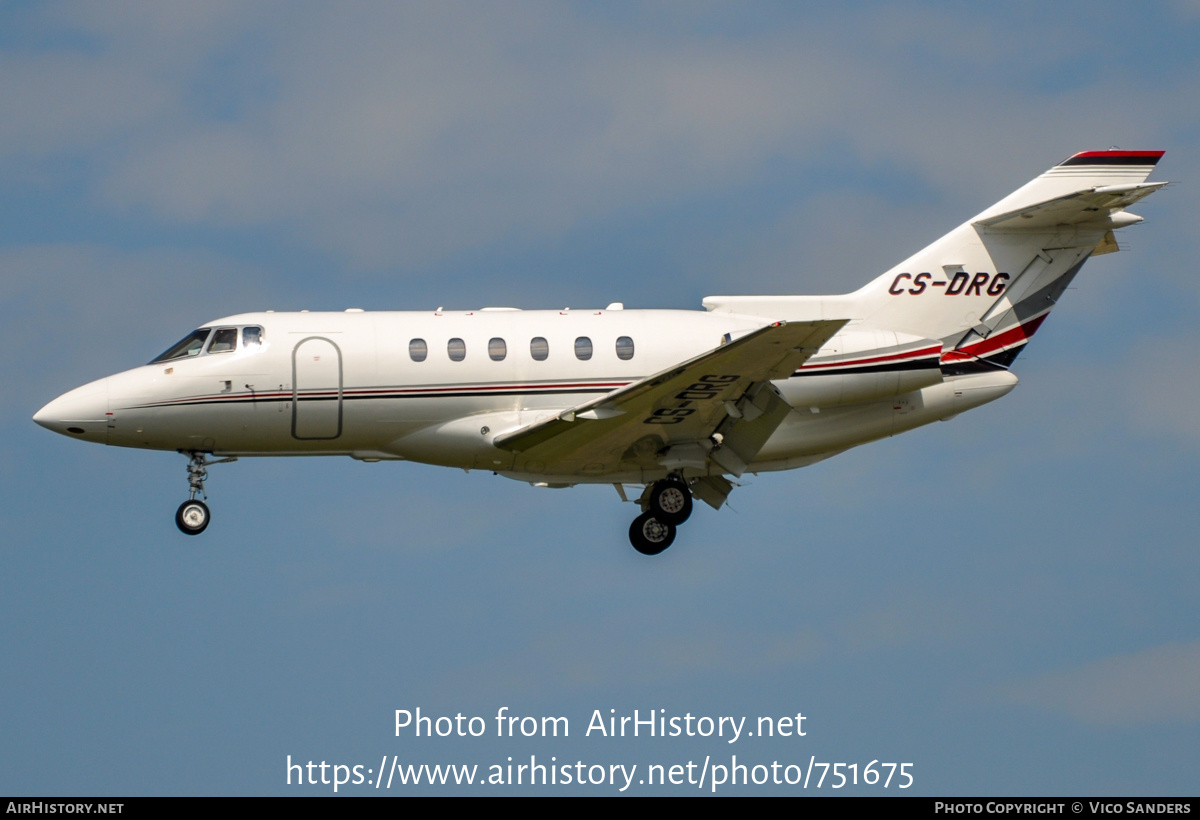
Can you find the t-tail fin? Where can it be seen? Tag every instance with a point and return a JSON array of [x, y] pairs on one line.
[[985, 287]]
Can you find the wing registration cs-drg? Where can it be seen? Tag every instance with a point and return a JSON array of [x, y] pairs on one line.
[[666, 405]]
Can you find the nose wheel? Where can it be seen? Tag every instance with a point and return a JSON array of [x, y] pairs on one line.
[[193, 515], [666, 505]]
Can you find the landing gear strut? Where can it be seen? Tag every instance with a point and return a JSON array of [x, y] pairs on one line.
[[666, 505], [193, 516]]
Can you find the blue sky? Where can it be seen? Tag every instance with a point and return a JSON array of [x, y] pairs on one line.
[[1006, 600]]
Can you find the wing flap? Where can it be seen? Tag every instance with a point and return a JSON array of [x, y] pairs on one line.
[[680, 405], [741, 437]]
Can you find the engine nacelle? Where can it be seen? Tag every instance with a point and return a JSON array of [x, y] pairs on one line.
[[862, 366]]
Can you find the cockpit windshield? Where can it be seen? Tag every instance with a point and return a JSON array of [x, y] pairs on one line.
[[188, 346]]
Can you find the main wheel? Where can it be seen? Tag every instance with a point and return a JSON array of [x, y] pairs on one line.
[[650, 536], [192, 517], [671, 502]]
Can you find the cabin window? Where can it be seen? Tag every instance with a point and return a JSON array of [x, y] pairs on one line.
[[457, 350], [624, 348], [418, 350], [224, 340], [252, 336], [189, 345], [539, 348], [497, 349], [583, 348]]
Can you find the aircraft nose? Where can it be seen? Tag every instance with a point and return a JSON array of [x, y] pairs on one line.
[[80, 413]]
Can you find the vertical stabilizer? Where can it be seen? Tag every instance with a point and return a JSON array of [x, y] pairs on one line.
[[985, 287]]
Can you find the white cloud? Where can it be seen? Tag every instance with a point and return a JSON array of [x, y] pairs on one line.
[[1152, 686], [834, 243], [403, 134]]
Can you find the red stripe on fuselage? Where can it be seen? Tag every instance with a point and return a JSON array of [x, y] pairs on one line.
[[993, 344], [386, 392], [912, 354]]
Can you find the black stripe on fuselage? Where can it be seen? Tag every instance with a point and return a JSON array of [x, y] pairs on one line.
[[251, 399], [988, 364], [929, 363]]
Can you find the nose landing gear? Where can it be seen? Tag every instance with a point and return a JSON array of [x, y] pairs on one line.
[[193, 515], [666, 505]]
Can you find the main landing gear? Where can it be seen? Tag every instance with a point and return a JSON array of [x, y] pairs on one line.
[[666, 505], [193, 516]]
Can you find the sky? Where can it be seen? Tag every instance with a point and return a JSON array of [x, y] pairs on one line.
[[1005, 601]]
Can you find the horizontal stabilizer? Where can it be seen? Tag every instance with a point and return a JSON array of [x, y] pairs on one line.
[[1091, 205]]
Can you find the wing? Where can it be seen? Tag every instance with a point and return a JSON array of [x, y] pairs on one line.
[[669, 419], [1089, 205]]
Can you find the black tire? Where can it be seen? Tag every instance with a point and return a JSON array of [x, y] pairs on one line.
[[671, 502], [650, 536], [192, 517]]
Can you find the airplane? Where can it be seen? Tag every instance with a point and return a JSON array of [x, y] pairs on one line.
[[678, 403]]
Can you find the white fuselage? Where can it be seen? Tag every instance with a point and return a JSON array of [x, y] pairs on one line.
[[676, 401], [351, 384]]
